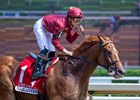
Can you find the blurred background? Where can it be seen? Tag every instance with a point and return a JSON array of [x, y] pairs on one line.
[[121, 17], [118, 17], [18, 17]]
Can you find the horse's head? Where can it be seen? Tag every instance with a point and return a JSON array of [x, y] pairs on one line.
[[109, 57], [100, 50]]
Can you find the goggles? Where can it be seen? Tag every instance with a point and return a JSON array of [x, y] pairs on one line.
[[77, 20]]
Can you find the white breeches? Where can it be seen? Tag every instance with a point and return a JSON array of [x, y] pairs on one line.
[[43, 37]]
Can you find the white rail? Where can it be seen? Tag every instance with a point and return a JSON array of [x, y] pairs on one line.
[[62, 12], [110, 79], [11, 14], [85, 18], [114, 88], [104, 85], [114, 98]]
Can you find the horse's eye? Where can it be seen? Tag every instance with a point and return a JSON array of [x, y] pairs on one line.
[[109, 47]]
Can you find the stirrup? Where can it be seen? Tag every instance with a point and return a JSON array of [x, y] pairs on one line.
[[42, 57], [39, 76]]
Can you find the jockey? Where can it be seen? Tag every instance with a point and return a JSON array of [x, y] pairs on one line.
[[49, 29]]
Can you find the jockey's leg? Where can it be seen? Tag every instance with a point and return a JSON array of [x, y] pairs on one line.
[[51, 54], [40, 64]]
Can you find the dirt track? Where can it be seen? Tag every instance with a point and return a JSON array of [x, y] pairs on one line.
[[17, 41]]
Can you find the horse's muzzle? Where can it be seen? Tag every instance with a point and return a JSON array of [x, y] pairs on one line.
[[117, 73]]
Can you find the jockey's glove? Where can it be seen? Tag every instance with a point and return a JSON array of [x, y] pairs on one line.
[[67, 52]]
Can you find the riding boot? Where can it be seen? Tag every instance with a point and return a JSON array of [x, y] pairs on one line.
[[51, 54], [40, 64]]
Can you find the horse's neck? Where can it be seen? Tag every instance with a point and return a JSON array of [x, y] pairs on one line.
[[83, 69], [86, 68]]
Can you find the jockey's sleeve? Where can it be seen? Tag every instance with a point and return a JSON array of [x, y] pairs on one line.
[[71, 37], [56, 43]]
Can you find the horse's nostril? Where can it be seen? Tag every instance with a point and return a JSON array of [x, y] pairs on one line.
[[121, 72], [111, 72]]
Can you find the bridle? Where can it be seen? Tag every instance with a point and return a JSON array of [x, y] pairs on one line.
[[108, 65]]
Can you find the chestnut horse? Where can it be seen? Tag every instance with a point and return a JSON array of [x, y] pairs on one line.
[[69, 77]]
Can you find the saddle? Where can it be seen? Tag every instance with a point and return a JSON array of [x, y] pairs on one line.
[[23, 80]]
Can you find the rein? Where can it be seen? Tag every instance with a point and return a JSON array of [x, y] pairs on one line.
[[108, 65], [86, 60], [82, 59]]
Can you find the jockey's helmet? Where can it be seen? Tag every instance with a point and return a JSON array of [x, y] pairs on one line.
[[75, 12]]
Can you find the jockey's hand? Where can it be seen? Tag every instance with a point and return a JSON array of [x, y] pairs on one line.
[[67, 52], [80, 29]]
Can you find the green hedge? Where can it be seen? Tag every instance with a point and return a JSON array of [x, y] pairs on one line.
[[129, 72], [63, 4]]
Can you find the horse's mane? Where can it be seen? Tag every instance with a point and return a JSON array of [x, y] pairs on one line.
[[89, 41]]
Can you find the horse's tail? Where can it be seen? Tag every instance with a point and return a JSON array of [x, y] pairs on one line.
[[19, 58]]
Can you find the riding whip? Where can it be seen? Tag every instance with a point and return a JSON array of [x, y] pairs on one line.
[[82, 31]]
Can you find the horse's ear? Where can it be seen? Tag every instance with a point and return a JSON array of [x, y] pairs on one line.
[[112, 37], [101, 38]]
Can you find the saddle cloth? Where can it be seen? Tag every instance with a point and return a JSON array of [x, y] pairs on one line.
[[23, 81]]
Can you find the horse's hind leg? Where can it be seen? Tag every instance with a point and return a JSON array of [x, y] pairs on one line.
[[24, 96], [5, 92], [6, 85]]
